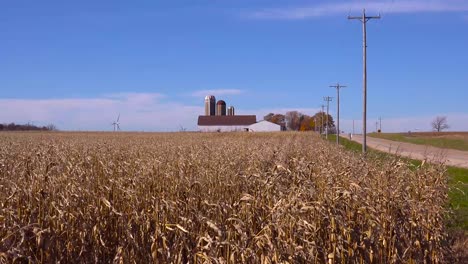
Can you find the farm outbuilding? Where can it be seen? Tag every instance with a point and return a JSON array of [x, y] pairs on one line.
[[225, 123], [264, 126]]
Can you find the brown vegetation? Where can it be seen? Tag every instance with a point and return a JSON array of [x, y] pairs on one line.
[[26, 127], [201, 198]]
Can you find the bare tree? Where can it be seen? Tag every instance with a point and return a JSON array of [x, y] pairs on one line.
[[268, 117], [293, 120], [439, 123], [51, 127]]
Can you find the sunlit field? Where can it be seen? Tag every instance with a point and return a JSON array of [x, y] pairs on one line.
[[213, 198]]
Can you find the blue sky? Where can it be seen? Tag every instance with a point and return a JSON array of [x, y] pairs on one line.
[[78, 64]]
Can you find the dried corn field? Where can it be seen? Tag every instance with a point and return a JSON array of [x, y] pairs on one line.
[[212, 198]]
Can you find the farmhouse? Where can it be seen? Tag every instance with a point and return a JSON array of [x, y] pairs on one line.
[[225, 123]]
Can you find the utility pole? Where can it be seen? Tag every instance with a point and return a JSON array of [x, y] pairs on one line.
[[380, 120], [328, 100], [376, 126], [338, 87], [315, 124], [364, 19], [321, 117]]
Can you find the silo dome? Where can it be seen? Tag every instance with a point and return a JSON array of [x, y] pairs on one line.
[[221, 108], [230, 111], [210, 105]]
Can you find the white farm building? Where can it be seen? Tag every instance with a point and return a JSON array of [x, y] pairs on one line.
[[264, 126], [235, 123]]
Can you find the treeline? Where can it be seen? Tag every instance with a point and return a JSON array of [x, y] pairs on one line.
[[26, 127], [297, 121]]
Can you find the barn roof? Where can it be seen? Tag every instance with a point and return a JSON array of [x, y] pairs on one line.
[[236, 120]]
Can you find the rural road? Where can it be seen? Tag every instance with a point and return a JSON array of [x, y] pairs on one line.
[[451, 157]]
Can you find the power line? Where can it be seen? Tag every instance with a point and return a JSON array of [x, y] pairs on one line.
[[338, 87], [328, 100], [364, 19]]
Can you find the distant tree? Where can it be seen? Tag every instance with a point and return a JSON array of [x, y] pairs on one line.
[[11, 126], [439, 123], [27, 127], [293, 120], [51, 127], [307, 123], [268, 117], [297, 121], [322, 117]]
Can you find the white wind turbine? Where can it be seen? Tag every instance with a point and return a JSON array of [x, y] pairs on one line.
[[116, 124]]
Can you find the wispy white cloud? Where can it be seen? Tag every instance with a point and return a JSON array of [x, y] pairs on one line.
[[216, 92], [139, 111], [320, 10], [135, 96]]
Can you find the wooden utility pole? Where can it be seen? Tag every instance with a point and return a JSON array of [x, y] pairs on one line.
[[321, 118], [338, 87], [328, 100], [364, 20]]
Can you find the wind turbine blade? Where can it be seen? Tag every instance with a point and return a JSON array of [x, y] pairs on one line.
[[118, 127], [118, 118]]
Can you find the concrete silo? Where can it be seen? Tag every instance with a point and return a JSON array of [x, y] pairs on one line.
[[210, 105], [230, 111], [221, 108]]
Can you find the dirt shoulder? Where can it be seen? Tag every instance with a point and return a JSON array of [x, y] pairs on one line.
[[450, 157]]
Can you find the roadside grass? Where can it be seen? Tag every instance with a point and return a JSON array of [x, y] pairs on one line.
[[457, 181], [421, 139], [458, 196]]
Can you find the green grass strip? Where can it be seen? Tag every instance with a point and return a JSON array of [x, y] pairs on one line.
[[449, 143]]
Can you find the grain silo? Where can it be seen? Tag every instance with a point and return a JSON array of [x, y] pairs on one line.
[[230, 111], [221, 108], [210, 105]]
